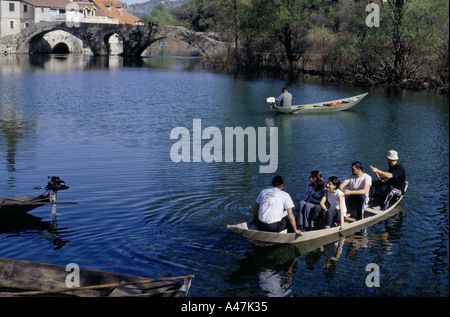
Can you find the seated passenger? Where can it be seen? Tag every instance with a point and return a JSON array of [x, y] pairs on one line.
[[335, 200], [285, 98], [269, 208], [309, 207], [395, 177], [357, 197]]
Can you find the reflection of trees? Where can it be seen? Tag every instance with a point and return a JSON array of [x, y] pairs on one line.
[[12, 129]]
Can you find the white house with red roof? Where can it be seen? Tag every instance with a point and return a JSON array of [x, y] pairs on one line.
[[18, 14]]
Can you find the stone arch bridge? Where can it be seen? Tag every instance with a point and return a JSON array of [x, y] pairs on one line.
[[135, 38]]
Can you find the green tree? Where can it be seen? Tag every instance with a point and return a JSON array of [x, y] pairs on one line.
[[398, 48], [410, 43], [161, 16], [282, 22], [199, 15], [229, 18]]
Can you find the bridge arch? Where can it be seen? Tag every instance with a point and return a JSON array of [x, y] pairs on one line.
[[61, 48], [56, 41], [205, 45], [139, 50], [113, 43], [35, 35], [135, 38]]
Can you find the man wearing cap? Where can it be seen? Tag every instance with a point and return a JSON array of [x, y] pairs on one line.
[[285, 98], [269, 208], [396, 176]]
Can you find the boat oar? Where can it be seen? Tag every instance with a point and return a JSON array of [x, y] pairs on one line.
[[378, 175]]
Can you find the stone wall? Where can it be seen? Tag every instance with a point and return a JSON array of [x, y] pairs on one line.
[[8, 44], [134, 39]]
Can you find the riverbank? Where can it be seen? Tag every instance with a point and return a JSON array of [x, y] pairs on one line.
[[313, 65], [356, 79]]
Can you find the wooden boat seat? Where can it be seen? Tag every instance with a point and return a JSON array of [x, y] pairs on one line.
[[349, 219], [372, 211], [125, 290]]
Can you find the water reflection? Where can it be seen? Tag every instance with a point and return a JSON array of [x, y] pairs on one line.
[[13, 128], [331, 252], [26, 225], [20, 63], [273, 269], [272, 266]]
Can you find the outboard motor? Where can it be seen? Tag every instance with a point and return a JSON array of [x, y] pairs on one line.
[[271, 101], [53, 186], [56, 184]]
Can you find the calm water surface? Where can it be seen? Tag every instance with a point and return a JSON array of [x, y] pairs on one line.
[[103, 126]]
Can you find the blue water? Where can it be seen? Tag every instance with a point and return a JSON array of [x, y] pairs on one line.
[[103, 126]]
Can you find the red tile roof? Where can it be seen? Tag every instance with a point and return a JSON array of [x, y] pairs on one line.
[[114, 9]]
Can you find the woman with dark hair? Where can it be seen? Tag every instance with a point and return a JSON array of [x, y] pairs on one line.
[[309, 207], [333, 203]]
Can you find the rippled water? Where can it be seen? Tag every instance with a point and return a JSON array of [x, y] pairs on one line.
[[103, 126]]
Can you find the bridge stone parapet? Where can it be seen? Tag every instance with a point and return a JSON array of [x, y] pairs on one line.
[[135, 38]]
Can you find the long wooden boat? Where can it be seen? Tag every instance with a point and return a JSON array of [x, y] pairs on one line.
[[26, 278], [372, 215], [318, 107]]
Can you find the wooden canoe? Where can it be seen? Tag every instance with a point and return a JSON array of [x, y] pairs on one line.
[[372, 215], [25, 278], [22, 204], [319, 107]]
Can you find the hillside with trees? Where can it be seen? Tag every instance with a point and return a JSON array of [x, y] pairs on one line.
[[143, 9], [335, 39]]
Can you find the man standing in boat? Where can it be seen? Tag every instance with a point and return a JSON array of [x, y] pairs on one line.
[[285, 98], [395, 176], [269, 208], [357, 197]]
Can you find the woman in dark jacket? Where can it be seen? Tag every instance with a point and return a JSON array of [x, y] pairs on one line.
[[309, 207]]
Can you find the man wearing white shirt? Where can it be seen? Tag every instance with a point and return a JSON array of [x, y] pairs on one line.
[[358, 195], [269, 208]]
